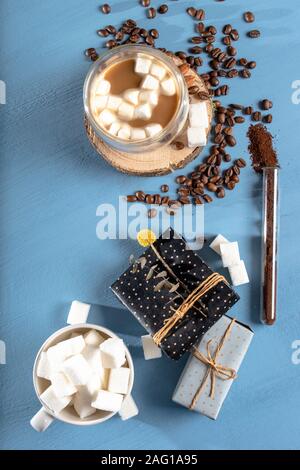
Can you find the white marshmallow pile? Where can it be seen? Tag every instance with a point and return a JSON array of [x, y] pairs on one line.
[[198, 125], [88, 372], [113, 113], [230, 254]]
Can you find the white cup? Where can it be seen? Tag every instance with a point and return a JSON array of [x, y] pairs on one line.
[[44, 417]]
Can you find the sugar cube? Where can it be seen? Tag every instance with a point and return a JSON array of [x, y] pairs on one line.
[[196, 137], [61, 385], [238, 274], [77, 369], [137, 133], [41, 420], [118, 380], [92, 355], [198, 116], [215, 244], [102, 87], [150, 97], [230, 253], [82, 403], [106, 118], [93, 338], [142, 65], [112, 353], [114, 102], [150, 83], [128, 409], [56, 404], [143, 111], [114, 128], [78, 312], [132, 95], [61, 351], [108, 401], [158, 71], [153, 129], [151, 350], [124, 132], [168, 87], [98, 103], [93, 385], [126, 111], [43, 367]]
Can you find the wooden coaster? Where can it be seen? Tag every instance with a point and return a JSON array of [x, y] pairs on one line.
[[160, 161]]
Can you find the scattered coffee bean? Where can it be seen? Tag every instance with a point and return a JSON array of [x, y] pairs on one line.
[[248, 110], [268, 118], [227, 157], [111, 43], [239, 119], [198, 201], [245, 73], [243, 62], [230, 185], [140, 195], [164, 188], [181, 179], [255, 33], [152, 213], [94, 57], [220, 193], [240, 162], [163, 9], [234, 35], [266, 104], [227, 29], [239, 107], [207, 198], [154, 33], [184, 200], [145, 3], [231, 51], [249, 17], [191, 11], [227, 40], [165, 200], [196, 50], [256, 116], [251, 64], [102, 33], [151, 13], [230, 140], [149, 199], [90, 51], [212, 187], [131, 198], [105, 8]]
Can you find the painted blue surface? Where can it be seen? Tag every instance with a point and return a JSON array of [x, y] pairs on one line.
[[51, 184]]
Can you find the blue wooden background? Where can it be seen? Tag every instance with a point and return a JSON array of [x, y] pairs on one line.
[[51, 184]]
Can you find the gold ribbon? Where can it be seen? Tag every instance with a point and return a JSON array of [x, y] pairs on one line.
[[214, 370], [209, 283]]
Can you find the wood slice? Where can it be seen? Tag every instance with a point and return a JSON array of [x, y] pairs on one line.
[[161, 161]]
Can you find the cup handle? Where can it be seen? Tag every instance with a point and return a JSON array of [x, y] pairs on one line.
[[41, 420], [129, 408]]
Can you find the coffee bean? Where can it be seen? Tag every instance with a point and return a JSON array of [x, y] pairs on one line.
[[102, 33], [219, 138], [208, 48], [229, 63], [245, 73], [232, 73], [196, 39], [227, 29], [236, 170], [152, 213], [255, 33], [105, 8], [145, 3], [220, 118], [212, 187], [154, 33], [214, 82], [231, 51], [220, 193], [134, 38], [266, 104], [227, 40], [184, 200], [228, 130], [90, 51], [164, 188], [243, 62], [249, 17], [248, 110], [207, 198], [149, 199], [230, 185], [183, 192], [191, 11], [256, 116], [110, 44], [212, 29], [151, 13], [165, 200], [234, 35], [240, 162], [198, 61], [143, 33], [190, 60], [251, 64], [119, 36], [268, 118], [94, 57], [198, 201], [239, 119], [157, 199], [163, 9], [200, 15], [196, 50], [181, 179], [111, 29], [227, 157], [230, 140], [140, 195], [235, 179], [131, 198], [200, 27]]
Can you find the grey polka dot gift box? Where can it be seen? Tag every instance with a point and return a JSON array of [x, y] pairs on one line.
[[174, 294]]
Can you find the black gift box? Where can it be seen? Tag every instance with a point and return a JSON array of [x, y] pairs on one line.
[[152, 294]]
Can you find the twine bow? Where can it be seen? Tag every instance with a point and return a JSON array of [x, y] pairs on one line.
[[214, 370]]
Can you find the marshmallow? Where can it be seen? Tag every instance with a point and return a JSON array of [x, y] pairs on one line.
[[93, 338], [215, 244], [61, 351], [196, 137], [153, 129], [106, 118], [112, 353], [98, 103], [126, 111], [77, 369], [82, 403], [119, 380], [124, 132], [56, 404], [114, 102], [137, 133], [143, 111], [238, 274], [230, 254], [198, 116], [78, 312], [114, 128], [108, 401], [102, 87], [158, 71], [43, 367], [132, 96], [168, 87], [151, 350], [150, 97], [142, 65], [129, 408], [61, 385], [150, 83]]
